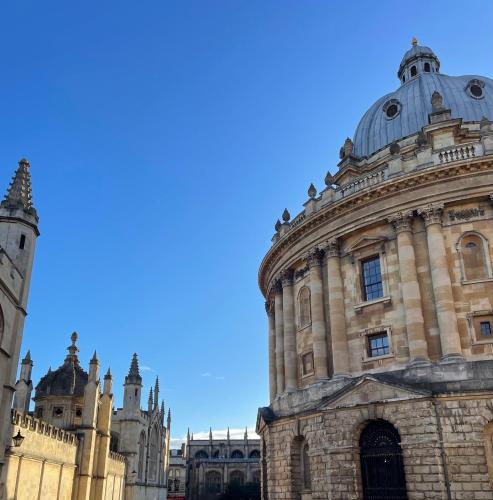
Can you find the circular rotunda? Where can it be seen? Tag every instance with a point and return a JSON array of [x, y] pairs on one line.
[[379, 296]]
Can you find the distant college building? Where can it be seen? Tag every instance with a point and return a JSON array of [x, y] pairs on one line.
[[379, 297], [213, 463], [177, 475]]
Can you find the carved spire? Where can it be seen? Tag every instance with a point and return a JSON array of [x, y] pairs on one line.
[[150, 401], [210, 433], [27, 360], [188, 435], [227, 434], [19, 193], [94, 358], [168, 421], [156, 393], [286, 215], [133, 376], [312, 191], [246, 434]]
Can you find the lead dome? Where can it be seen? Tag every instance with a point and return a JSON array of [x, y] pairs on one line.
[[405, 111]]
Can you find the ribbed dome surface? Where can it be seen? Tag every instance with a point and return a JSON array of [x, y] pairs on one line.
[[68, 380], [376, 130]]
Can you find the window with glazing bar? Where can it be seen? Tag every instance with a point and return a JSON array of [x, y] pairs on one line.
[[378, 344], [372, 278]]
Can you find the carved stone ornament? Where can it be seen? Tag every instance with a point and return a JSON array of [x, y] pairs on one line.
[[287, 277], [432, 214], [278, 225], [466, 213], [269, 307], [331, 249], [278, 285], [314, 257], [329, 179], [312, 191], [436, 101], [401, 221], [286, 215], [394, 149]]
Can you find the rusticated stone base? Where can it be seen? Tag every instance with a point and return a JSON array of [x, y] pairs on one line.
[[445, 430]]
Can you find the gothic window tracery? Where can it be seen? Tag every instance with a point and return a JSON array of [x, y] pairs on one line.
[[213, 481], [237, 476], [153, 445], [237, 454]]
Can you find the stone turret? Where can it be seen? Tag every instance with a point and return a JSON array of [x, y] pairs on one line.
[[132, 387], [24, 386]]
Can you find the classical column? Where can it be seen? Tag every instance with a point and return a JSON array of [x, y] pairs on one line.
[[442, 285], [279, 326], [411, 296], [289, 330], [319, 334], [337, 311], [270, 307]]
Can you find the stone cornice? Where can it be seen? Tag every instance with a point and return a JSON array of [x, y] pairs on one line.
[[363, 198]]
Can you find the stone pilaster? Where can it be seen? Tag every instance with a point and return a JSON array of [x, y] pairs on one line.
[[289, 330], [279, 326], [340, 354], [442, 285], [270, 308], [319, 334], [411, 296]]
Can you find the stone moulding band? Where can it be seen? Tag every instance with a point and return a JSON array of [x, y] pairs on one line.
[[339, 208]]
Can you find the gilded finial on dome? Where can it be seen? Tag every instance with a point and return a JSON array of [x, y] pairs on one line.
[[414, 41]]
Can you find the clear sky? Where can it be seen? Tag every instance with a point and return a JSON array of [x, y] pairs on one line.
[[165, 139]]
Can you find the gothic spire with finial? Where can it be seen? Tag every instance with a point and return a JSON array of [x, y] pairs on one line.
[[19, 193], [133, 376], [210, 433], [156, 393], [150, 401]]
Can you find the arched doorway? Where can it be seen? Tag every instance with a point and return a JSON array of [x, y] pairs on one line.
[[382, 468]]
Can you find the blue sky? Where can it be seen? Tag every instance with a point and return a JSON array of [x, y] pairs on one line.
[[165, 139]]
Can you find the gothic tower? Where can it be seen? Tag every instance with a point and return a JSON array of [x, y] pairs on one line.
[[18, 233]]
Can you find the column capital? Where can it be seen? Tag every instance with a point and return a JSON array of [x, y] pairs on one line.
[[286, 277], [277, 285], [314, 257], [269, 307], [432, 213], [401, 221], [331, 249]]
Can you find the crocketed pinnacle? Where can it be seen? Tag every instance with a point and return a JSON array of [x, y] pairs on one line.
[[27, 360], [19, 193], [133, 376]]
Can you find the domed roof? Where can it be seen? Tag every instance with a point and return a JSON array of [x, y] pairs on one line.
[[405, 111], [67, 380]]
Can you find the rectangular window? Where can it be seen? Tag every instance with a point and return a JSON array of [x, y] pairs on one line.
[[378, 344], [485, 328], [22, 242], [307, 363], [372, 278]]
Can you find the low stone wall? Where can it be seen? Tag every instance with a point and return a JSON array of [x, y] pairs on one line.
[[43, 467], [115, 480]]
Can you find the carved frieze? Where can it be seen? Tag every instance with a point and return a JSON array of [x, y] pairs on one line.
[[465, 213]]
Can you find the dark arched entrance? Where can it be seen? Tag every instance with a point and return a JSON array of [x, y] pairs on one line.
[[382, 469]]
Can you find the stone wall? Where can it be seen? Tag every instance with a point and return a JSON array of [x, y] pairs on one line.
[[115, 480], [446, 445], [43, 467]]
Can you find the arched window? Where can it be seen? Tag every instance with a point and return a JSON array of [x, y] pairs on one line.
[[254, 454], [305, 462], [237, 454], [213, 481], [414, 71], [380, 450], [153, 451], [427, 67], [237, 476], [142, 453], [473, 253], [304, 317], [201, 454]]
